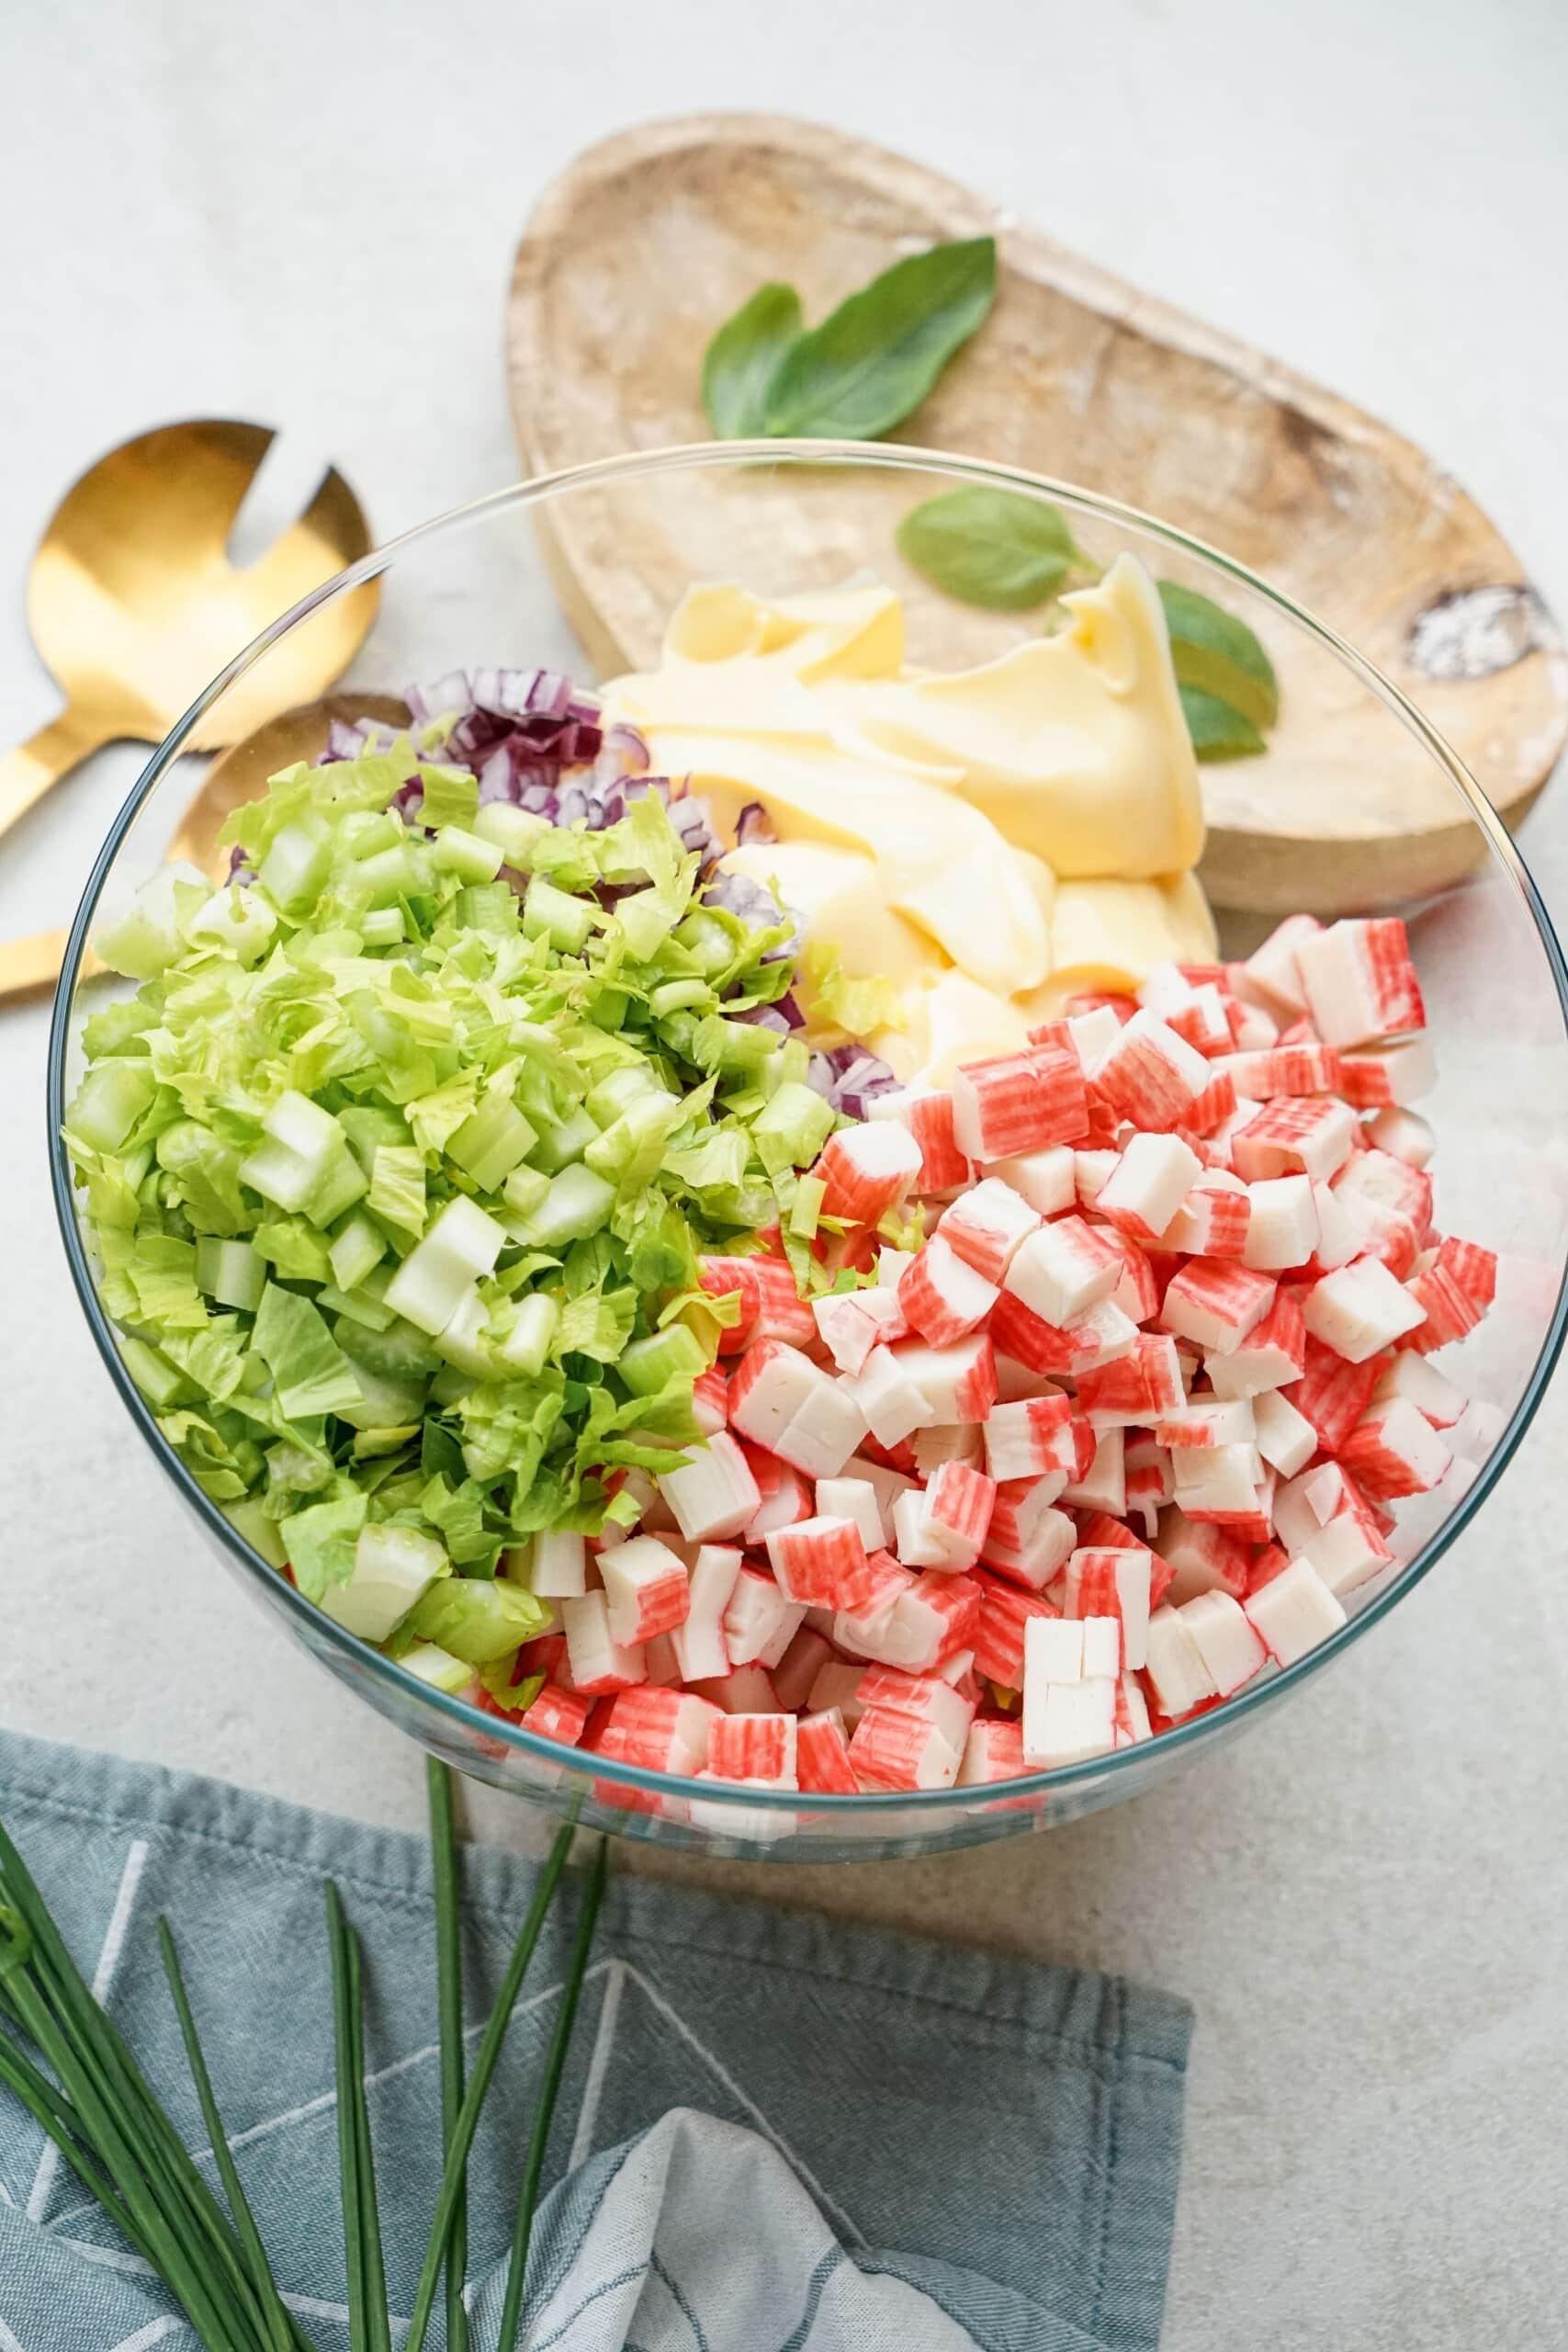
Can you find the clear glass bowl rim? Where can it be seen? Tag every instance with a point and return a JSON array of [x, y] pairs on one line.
[[935, 1803]]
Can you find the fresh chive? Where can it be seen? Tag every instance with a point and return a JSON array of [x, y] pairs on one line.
[[56, 2115], [449, 2005], [377, 2315], [555, 2065], [280, 2331], [347, 2127], [479, 2084]]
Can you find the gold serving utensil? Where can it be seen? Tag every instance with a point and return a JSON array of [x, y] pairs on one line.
[[134, 604], [28, 966]]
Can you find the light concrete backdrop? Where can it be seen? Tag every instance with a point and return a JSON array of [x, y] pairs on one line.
[[306, 213]]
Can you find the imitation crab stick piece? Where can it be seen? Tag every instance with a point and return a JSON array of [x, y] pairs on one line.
[[1292, 1612], [783, 1402], [1392, 1077], [557, 1565], [559, 1714], [1018, 1102], [1148, 1185], [785, 1494], [598, 1662], [646, 1588], [1404, 1135], [1065, 1350], [1216, 1303], [662, 1731], [1069, 1715], [758, 1748], [1286, 1439], [993, 1751], [1004, 1612], [942, 1295], [822, 1755], [1230, 1647], [867, 1171], [896, 1751], [1200, 1557], [890, 1403], [1311, 1135], [851, 1323], [958, 1382], [734, 1278], [987, 1226], [1062, 1270], [1283, 1226], [701, 1652], [756, 1613], [822, 1563], [1213, 1218], [1453, 1293], [1177, 1672], [1275, 1352], [1395, 1450], [1359, 982], [928, 1698], [1150, 1077], [1029, 1438], [855, 1500], [1033, 1556], [1416, 1377], [1113, 1584], [1361, 1309], [1045, 1180], [942, 1526], [1142, 1386], [710, 1402], [713, 1494], [928, 1118], [1271, 975]]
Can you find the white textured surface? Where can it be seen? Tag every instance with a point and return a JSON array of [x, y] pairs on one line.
[[307, 214]]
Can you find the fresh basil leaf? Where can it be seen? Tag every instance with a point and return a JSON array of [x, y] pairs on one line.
[[877, 356], [742, 361], [994, 547], [1212, 651], [1219, 732]]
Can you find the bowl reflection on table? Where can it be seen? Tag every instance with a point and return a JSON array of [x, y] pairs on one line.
[[530, 576]]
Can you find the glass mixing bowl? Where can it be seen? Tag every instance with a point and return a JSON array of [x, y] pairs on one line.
[[578, 570]]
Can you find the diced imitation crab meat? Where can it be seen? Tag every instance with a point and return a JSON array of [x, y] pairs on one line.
[[1117, 1373]]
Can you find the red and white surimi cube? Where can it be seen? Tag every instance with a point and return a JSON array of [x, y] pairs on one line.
[[993, 1751], [1072, 1722], [1094, 1029], [781, 1400], [1207, 1421], [928, 1698], [890, 1265], [958, 1383], [1283, 1226], [1100, 1337], [1032, 1557], [1004, 1612], [855, 1499], [782, 1314], [701, 1651], [1286, 1439], [726, 1277], [1403, 1133], [1201, 1557], [1103, 1484], [786, 1495], [1177, 1673], [1332, 1393], [759, 1749], [1142, 1386], [1348, 1546], [1359, 982], [1150, 1077], [1416, 1378], [1217, 1482], [943, 1297], [1131, 1712], [1090, 1170], [934, 1617], [1361, 1309], [1345, 1224], [1018, 1103], [1230, 1648], [1062, 1270], [866, 1632], [646, 1589], [1307, 1067], [1102, 1648], [1045, 1180], [822, 1563], [1308, 1134], [1292, 1612], [756, 1612], [1394, 1451], [802, 1662], [1383, 1190], [1252, 1029], [1015, 1381], [1214, 1112], [889, 1751], [948, 1442], [558, 1567], [1148, 1185], [884, 1482], [714, 1494], [1453, 1293], [851, 1323], [1149, 1480], [1213, 1220], [597, 1660], [887, 1399], [1271, 976], [1377, 1077], [1137, 1293], [1274, 1353], [943, 1525], [1216, 1303], [1021, 1509], [1102, 1583], [559, 1715], [661, 1730], [1196, 1012], [822, 1755], [928, 1118], [1029, 1438], [710, 1402], [986, 1227], [867, 1171]]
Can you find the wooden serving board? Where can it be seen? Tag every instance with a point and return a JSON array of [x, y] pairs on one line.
[[650, 239]]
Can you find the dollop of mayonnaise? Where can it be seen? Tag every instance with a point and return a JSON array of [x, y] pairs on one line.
[[989, 840]]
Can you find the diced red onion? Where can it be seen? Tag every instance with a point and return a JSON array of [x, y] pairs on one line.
[[850, 1078], [754, 824]]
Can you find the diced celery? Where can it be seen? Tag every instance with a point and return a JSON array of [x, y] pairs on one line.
[[624, 1085], [364, 832], [524, 1189], [578, 1203], [703, 935], [467, 855], [147, 937], [630, 1150], [464, 1342], [300, 1142], [563, 1140], [513, 831], [108, 1103], [381, 926], [492, 1141], [241, 920], [295, 867], [230, 1273], [162, 1383], [358, 1305], [527, 1343], [357, 1248], [461, 1244], [393, 1567], [725, 1045], [677, 995], [437, 1667], [405, 871], [651, 1364], [341, 1183], [296, 1249], [795, 1121], [555, 915]]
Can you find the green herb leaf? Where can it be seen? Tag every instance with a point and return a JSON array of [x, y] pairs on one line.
[[994, 547], [743, 359], [1218, 655], [1218, 732], [876, 357]]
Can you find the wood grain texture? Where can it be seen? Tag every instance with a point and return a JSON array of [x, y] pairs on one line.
[[651, 238]]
